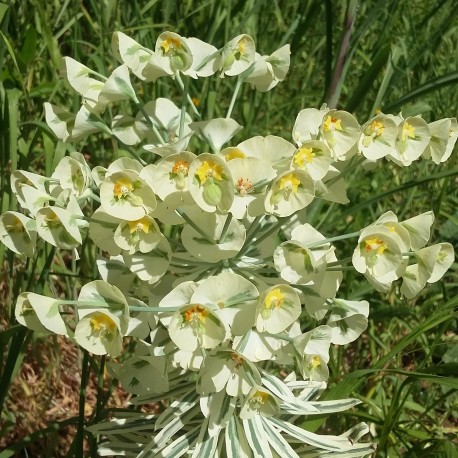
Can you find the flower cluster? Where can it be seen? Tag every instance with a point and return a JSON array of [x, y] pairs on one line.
[[214, 267]]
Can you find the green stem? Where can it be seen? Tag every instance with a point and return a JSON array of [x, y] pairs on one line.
[[150, 124], [195, 226], [339, 262], [79, 438], [181, 85], [352, 166], [225, 228], [234, 97], [334, 239], [184, 103]]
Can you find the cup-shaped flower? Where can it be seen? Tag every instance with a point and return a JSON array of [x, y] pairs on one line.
[[311, 350], [259, 401], [18, 233], [348, 319], [99, 294], [152, 265], [444, 133], [314, 157], [22, 182], [58, 227], [379, 251], [295, 262], [278, 308], [102, 228], [118, 87], [125, 195], [78, 76], [229, 370], [217, 131], [378, 137], [40, 313], [211, 183], [175, 49], [73, 173], [419, 228], [268, 71], [196, 325], [131, 53], [216, 246], [142, 374], [340, 132], [412, 140], [140, 235], [235, 296], [290, 192], [59, 120], [87, 123], [251, 176], [307, 124], [444, 260], [237, 55], [124, 128], [170, 175], [272, 149], [166, 117], [100, 333], [204, 58]]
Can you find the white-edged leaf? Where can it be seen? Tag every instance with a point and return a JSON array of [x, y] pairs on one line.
[[236, 442], [181, 445], [278, 442], [277, 387], [324, 442], [256, 437], [177, 408], [206, 444]]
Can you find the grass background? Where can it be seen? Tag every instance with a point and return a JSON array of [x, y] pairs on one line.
[[359, 56]]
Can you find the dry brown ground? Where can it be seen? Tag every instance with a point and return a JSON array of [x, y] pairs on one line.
[[46, 391]]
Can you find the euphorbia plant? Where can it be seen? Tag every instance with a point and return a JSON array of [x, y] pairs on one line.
[[205, 254]]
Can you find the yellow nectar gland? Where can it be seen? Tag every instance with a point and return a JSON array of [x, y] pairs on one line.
[[122, 188], [289, 183], [408, 131], [315, 362], [241, 46], [259, 398], [274, 298], [375, 244], [331, 123], [195, 314], [140, 225], [170, 44], [304, 156], [244, 186], [102, 324], [181, 168], [209, 169], [15, 226], [234, 154]]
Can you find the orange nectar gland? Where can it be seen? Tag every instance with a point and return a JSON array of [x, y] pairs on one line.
[[244, 186], [274, 298], [375, 244], [181, 168], [140, 225], [303, 156], [289, 183], [122, 188], [102, 324], [331, 123], [170, 44], [238, 360], [209, 169], [408, 131], [195, 314]]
